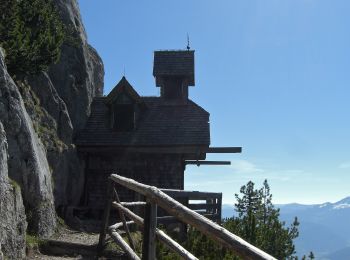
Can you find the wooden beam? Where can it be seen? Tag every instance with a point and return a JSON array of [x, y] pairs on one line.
[[200, 162], [122, 217], [198, 150], [137, 219], [172, 245], [190, 149], [175, 247], [120, 241], [133, 204], [224, 150]]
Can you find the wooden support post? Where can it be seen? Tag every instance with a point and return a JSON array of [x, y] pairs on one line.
[[219, 208], [149, 235], [105, 219]]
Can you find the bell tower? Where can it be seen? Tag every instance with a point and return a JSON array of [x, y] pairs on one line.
[[174, 73]]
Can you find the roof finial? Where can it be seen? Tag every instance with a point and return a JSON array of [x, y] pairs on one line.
[[188, 42], [124, 72]]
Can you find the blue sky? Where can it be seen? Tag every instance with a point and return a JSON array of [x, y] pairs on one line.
[[273, 74]]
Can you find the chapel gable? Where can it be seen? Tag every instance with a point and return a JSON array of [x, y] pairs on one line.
[[124, 105]]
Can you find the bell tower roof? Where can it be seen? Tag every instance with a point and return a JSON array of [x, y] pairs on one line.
[[174, 63]]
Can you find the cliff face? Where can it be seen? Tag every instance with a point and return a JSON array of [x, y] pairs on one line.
[[13, 223], [27, 163], [40, 116], [63, 95]]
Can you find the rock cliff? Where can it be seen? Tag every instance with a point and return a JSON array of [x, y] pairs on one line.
[[13, 222], [27, 163], [40, 115]]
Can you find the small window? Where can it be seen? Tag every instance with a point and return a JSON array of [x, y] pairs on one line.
[[124, 117]]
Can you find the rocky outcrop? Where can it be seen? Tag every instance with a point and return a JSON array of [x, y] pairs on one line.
[[27, 163], [40, 116], [78, 77], [58, 103], [12, 215]]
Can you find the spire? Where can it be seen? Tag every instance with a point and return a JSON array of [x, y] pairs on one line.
[[188, 42]]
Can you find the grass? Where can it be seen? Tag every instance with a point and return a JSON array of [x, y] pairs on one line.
[[15, 185], [33, 241]]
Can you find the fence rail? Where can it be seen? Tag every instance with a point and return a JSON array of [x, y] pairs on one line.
[[158, 198]]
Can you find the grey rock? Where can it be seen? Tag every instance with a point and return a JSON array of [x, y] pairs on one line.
[[27, 163], [53, 104], [78, 76], [12, 214], [66, 93]]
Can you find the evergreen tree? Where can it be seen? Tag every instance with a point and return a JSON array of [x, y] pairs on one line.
[[31, 34], [259, 224]]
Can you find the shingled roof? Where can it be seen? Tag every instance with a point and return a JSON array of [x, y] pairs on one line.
[[123, 86], [174, 63], [161, 123]]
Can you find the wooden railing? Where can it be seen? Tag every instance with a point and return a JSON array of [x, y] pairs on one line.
[[157, 198], [207, 204]]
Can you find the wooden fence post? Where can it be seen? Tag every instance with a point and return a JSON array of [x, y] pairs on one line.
[[105, 219], [149, 232], [219, 208]]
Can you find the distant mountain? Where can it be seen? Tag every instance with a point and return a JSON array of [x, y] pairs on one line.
[[324, 228], [340, 254]]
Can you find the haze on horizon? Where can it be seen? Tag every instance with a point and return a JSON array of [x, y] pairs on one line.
[[274, 76]]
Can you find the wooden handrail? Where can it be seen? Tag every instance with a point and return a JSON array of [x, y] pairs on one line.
[[188, 216], [156, 197], [171, 244]]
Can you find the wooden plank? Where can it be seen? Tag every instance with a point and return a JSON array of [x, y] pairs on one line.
[[203, 206], [149, 232], [191, 195], [224, 150], [120, 241], [201, 162], [209, 228]]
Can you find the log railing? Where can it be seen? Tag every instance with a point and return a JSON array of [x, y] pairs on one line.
[[157, 198]]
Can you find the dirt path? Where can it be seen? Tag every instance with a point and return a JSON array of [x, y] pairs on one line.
[[71, 244]]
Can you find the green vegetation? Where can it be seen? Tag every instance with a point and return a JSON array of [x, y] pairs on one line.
[[33, 241], [44, 125], [257, 222], [15, 185], [31, 34]]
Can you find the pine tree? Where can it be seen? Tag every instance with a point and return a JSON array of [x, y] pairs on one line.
[[258, 222], [31, 34]]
